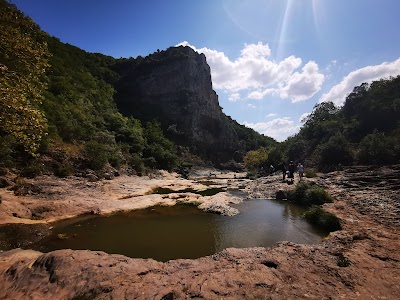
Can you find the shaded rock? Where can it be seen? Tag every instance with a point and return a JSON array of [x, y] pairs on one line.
[[3, 171], [280, 195], [4, 182], [26, 189]]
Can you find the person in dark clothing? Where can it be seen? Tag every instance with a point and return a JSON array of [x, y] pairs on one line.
[[284, 169], [292, 168]]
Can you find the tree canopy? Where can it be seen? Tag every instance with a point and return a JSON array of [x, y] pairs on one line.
[[23, 62]]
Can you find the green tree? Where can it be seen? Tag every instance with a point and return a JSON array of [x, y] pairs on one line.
[[159, 152], [23, 61], [377, 148], [254, 159], [337, 151]]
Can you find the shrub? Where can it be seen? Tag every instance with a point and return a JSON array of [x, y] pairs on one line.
[[32, 169], [317, 196], [136, 162], [63, 170], [7, 150], [306, 194], [298, 194], [251, 175], [318, 216], [184, 169], [97, 154], [342, 261]]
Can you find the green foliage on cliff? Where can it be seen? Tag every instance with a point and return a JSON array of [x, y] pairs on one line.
[[81, 109], [23, 61]]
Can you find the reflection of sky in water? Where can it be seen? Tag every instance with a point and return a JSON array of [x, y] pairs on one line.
[[181, 231], [263, 223]]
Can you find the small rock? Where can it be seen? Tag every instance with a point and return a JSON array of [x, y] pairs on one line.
[[92, 177], [108, 176], [62, 236]]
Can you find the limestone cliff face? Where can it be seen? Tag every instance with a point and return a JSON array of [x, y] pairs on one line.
[[174, 87]]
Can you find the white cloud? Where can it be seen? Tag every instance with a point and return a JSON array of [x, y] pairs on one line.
[[251, 106], [303, 117], [234, 97], [304, 85], [278, 129], [258, 95], [338, 93], [271, 115], [254, 72]]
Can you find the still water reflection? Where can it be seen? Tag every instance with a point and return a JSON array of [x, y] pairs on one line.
[[182, 231]]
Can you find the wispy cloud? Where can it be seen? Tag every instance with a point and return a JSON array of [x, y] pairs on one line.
[[278, 129], [258, 95], [259, 76], [234, 97], [339, 92], [271, 115]]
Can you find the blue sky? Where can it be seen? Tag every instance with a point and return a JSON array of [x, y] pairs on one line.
[[271, 60]]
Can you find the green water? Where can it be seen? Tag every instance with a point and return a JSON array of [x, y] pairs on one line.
[[183, 231]]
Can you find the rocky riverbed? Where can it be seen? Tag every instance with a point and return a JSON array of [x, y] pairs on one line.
[[361, 261]]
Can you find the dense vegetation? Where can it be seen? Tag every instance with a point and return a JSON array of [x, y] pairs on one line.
[[23, 59], [366, 130], [68, 117]]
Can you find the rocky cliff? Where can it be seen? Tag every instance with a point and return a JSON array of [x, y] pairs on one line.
[[174, 87]]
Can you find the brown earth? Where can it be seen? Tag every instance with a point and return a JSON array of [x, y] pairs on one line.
[[361, 261]]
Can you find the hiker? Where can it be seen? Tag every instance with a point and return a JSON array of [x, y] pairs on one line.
[[291, 170], [271, 170], [284, 169], [300, 168]]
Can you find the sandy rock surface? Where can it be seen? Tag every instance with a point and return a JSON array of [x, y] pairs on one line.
[[362, 261]]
